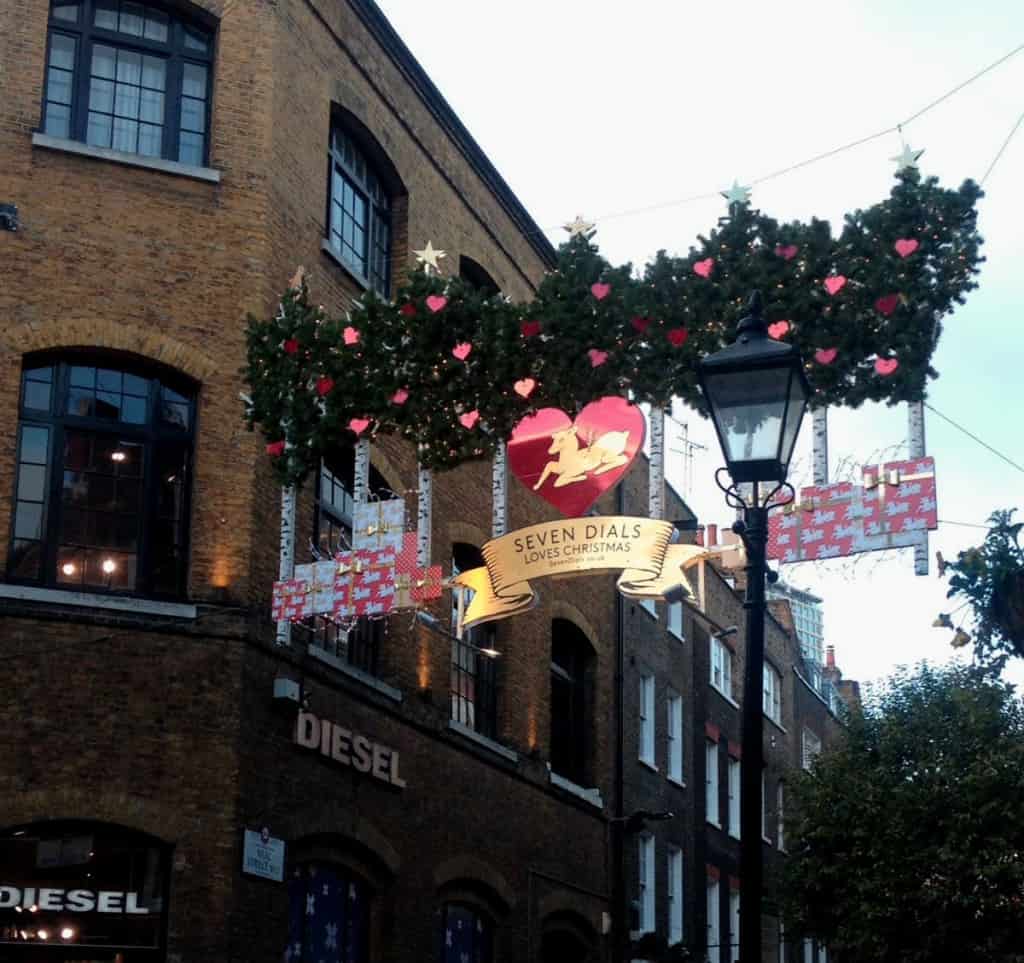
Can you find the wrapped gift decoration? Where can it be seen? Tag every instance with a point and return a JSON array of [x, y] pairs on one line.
[[290, 600], [413, 584], [364, 582], [379, 524]]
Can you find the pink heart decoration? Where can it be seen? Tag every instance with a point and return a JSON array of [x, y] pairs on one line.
[[275, 449], [469, 419], [886, 366], [324, 386], [597, 357], [677, 337], [351, 335], [778, 329], [407, 310], [600, 291], [835, 285], [787, 252], [436, 302], [906, 246], [400, 397], [291, 346], [704, 268], [825, 355], [887, 304], [640, 324], [461, 351], [524, 387], [358, 425], [529, 328]]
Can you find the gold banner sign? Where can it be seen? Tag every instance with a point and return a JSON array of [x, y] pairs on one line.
[[575, 546]]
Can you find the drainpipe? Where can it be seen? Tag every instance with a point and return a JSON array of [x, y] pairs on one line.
[[618, 882]]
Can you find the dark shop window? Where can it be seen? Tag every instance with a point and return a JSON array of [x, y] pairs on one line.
[[328, 916], [131, 77], [467, 936], [473, 665], [104, 462]]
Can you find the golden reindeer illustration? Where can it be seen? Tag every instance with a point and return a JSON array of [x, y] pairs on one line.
[[575, 463]]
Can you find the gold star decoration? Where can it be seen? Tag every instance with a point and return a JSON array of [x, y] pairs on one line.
[[429, 256], [906, 158], [578, 226], [737, 194]]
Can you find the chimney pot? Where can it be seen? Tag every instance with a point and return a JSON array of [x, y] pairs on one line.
[[712, 536], [830, 656]]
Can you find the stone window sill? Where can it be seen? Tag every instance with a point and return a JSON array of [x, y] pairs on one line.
[[649, 763], [728, 698], [778, 725], [129, 160], [592, 796], [481, 740], [388, 691], [89, 600], [677, 781]]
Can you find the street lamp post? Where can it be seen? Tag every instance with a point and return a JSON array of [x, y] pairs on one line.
[[756, 392]]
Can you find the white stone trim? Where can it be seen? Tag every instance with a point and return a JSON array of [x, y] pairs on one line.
[[592, 796], [482, 740], [67, 146], [88, 600]]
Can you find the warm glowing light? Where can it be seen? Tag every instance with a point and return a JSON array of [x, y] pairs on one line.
[[490, 653], [67, 933], [118, 456], [68, 568], [33, 908], [109, 565], [43, 934]]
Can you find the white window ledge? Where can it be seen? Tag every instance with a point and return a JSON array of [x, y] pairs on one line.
[[592, 796], [733, 834], [88, 600], [677, 781], [778, 725], [728, 698], [352, 672], [714, 822], [649, 763], [482, 740], [123, 157], [677, 635]]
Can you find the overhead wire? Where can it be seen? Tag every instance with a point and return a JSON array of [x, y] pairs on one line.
[[970, 434], [999, 153]]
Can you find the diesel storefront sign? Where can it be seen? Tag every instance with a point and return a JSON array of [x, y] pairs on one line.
[[71, 900], [348, 748]]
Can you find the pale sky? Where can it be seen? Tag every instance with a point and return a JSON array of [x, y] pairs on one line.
[[599, 108]]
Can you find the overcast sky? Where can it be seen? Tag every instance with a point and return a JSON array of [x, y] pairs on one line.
[[599, 108]]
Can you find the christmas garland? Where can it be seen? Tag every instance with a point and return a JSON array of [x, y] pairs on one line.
[[452, 370]]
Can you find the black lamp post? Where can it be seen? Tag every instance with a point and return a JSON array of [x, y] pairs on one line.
[[756, 392]]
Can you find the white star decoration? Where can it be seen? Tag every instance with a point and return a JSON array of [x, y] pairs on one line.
[[331, 936], [579, 226], [906, 158], [429, 256], [737, 194], [310, 905]]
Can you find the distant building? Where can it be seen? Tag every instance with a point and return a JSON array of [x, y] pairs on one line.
[[807, 616]]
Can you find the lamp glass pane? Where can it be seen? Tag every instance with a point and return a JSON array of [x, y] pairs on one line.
[[795, 414], [749, 408]]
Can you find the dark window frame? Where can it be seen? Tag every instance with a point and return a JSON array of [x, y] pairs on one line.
[[174, 53], [482, 948], [473, 684], [150, 435], [306, 872], [571, 655]]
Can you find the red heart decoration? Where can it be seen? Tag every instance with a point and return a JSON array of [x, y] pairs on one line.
[[324, 386], [906, 246], [778, 329], [291, 346], [408, 310], [469, 419], [351, 335], [359, 425], [787, 252], [275, 449], [704, 268], [529, 328], [835, 285], [436, 302], [548, 448], [597, 357], [886, 366], [461, 351], [600, 291], [887, 304], [400, 397], [524, 387], [677, 337], [640, 324], [825, 355]]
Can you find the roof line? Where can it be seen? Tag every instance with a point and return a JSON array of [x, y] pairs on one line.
[[386, 35]]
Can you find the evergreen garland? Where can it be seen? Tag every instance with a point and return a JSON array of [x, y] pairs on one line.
[[594, 329]]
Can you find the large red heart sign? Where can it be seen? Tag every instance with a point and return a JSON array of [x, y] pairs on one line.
[[570, 464]]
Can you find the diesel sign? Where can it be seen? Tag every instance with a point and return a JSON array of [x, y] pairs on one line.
[[348, 748], [71, 900]]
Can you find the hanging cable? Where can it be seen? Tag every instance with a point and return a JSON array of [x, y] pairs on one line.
[[969, 434], [999, 153]]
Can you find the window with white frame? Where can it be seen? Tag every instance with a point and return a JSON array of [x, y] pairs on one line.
[[772, 693], [808, 950], [650, 607], [811, 746], [675, 619], [734, 797], [721, 667], [647, 719], [734, 925], [714, 940], [711, 782], [675, 895], [780, 836], [675, 736], [645, 881]]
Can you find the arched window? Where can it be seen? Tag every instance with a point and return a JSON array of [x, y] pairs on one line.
[[467, 935], [571, 654], [359, 199], [81, 890], [473, 665], [328, 915], [129, 76], [474, 273], [104, 472]]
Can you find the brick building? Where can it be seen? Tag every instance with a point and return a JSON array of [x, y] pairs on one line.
[[171, 163]]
